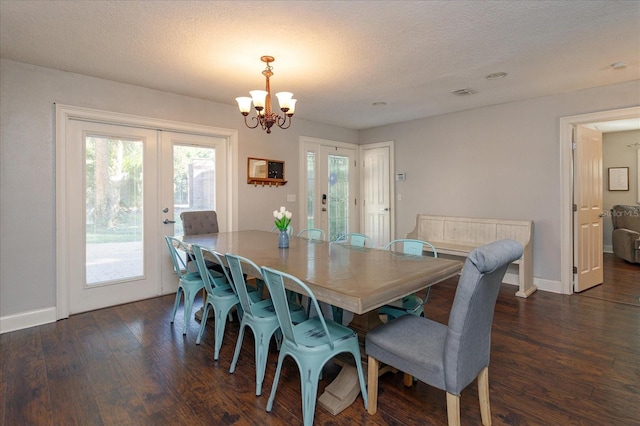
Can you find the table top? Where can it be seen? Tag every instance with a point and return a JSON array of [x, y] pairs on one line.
[[353, 278]]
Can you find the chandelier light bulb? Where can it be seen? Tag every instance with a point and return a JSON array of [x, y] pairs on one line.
[[244, 104]]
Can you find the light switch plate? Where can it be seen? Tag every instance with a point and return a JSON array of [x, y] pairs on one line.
[[291, 198]]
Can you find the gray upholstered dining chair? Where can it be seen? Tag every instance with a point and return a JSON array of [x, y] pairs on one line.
[[196, 223], [200, 222], [448, 357]]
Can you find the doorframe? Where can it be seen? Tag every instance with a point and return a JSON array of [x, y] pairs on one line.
[[567, 184], [302, 168], [63, 114]]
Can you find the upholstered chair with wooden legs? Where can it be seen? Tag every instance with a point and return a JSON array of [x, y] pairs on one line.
[[448, 357]]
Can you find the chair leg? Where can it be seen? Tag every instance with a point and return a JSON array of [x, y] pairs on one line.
[[309, 377], [483, 392], [220, 318], [363, 387], [408, 380], [203, 321], [372, 384], [453, 409], [236, 354], [176, 304], [261, 354], [276, 378], [188, 307]]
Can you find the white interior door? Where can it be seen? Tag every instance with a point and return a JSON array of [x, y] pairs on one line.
[[377, 192], [588, 187], [111, 221]]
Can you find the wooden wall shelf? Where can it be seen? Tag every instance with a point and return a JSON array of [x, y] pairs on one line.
[[265, 172]]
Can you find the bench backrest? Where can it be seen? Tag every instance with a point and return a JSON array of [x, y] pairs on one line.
[[470, 230]]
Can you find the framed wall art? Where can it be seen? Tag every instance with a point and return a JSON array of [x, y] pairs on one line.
[[618, 178]]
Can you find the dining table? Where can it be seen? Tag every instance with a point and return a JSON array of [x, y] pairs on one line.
[[356, 279]]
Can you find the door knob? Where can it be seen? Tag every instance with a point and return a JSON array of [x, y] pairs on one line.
[[386, 209], [167, 221]]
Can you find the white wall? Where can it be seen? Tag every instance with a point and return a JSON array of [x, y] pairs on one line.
[[616, 153], [496, 162], [500, 161], [27, 159]]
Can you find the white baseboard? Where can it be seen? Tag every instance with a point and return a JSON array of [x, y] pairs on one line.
[[27, 319], [607, 249], [542, 284], [548, 285]]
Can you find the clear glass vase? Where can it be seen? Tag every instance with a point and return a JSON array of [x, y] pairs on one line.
[[283, 239]]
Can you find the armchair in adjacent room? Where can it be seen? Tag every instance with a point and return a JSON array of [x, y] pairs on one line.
[[626, 232]]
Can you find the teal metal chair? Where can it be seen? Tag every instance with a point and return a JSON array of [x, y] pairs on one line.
[[312, 234], [311, 343], [220, 296], [258, 315], [411, 304], [189, 283], [355, 239]]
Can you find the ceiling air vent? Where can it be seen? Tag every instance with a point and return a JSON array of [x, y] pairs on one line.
[[464, 92]]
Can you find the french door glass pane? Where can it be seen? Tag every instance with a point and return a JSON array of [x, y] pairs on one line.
[[194, 181], [338, 196], [114, 216], [311, 186]]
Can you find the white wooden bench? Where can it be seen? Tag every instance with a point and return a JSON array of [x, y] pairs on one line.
[[459, 235]]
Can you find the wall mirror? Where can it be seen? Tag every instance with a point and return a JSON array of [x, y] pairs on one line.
[[262, 171]]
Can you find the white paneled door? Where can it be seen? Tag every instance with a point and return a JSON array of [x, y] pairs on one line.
[[124, 189], [376, 192], [588, 249]]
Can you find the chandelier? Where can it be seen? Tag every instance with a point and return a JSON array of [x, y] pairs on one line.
[[261, 99]]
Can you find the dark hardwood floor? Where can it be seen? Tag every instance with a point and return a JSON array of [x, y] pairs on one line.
[[621, 282], [556, 360]]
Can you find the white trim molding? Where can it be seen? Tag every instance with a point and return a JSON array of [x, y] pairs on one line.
[[27, 319]]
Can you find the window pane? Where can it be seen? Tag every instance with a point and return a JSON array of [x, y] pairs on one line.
[[194, 183], [311, 187], [338, 196], [113, 184]]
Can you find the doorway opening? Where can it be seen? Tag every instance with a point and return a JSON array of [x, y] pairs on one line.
[[568, 185]]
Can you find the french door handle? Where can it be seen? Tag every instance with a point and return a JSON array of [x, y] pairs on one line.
[[167, 221], [386, 209]]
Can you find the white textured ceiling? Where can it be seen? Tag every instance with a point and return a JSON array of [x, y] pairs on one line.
[[337, 57]]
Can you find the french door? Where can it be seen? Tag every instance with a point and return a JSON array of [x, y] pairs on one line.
[[193, 174], [331, 187], [124, 188]]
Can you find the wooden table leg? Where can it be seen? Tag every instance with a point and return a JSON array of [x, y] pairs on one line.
[[344, 389]]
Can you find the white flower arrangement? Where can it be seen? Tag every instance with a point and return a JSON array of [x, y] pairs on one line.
[[283, 218]]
